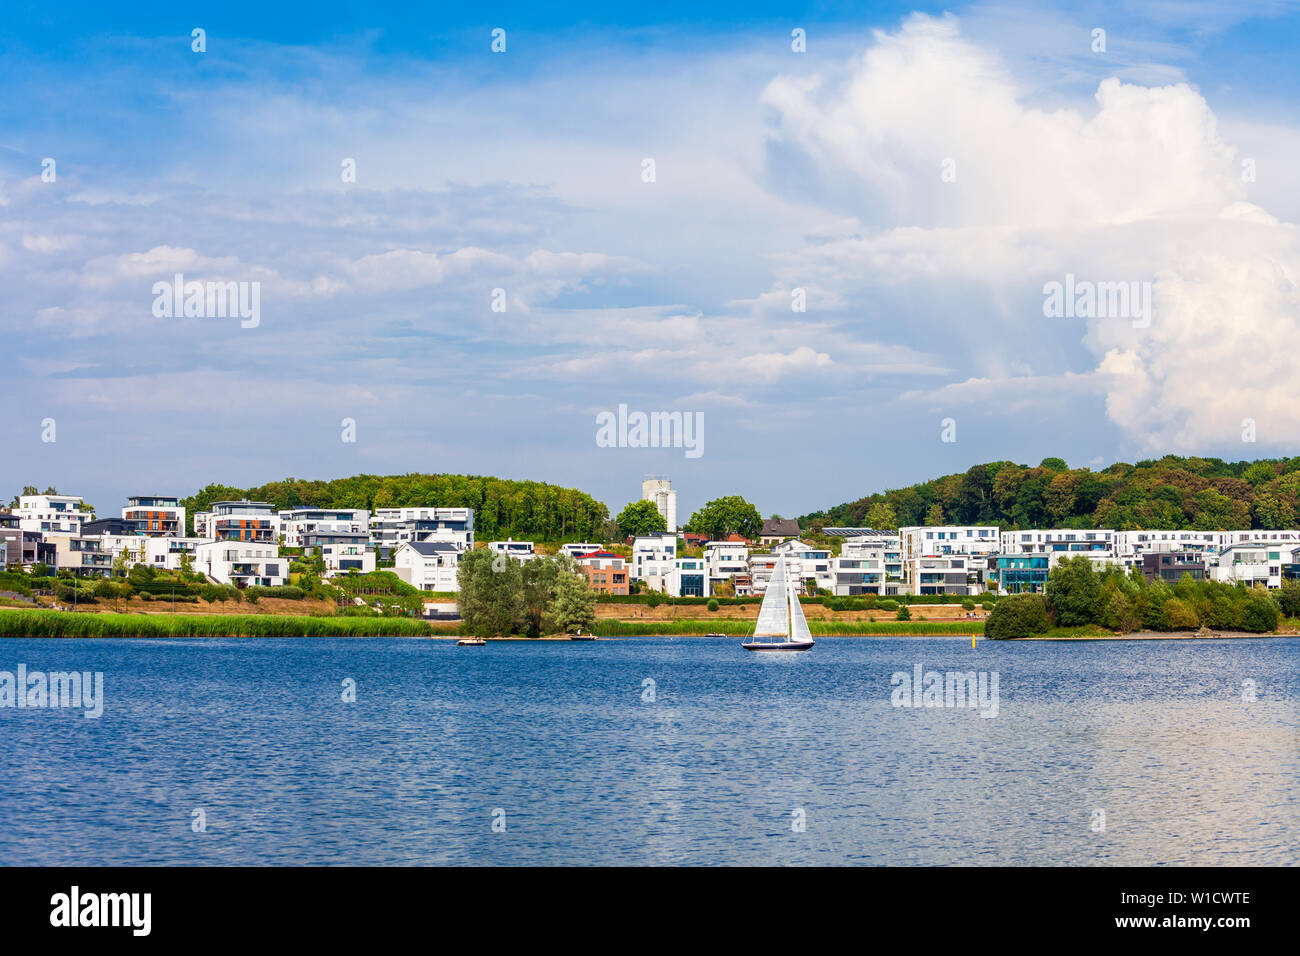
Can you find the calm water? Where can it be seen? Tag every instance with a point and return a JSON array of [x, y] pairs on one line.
[[559, 737]]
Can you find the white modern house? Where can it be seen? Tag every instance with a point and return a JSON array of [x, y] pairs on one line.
[[242, 520], [654, 558], [809, 562], [725, 559], [519, 550], [428, 565], [1130, 546], [52, 514], [296, 523], [242, 563], [689, 578], [868, 565], [159, 516], [1046, 541], [390, 528]]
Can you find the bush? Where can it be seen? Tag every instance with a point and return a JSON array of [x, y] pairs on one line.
[[887, 605], [1020, 615], [1179, 615], [904, 614], [968, 605], [654, 600], [1259, 613], [987, 606], [712, 605]]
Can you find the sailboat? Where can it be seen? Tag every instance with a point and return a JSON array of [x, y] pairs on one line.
[[781, 624]]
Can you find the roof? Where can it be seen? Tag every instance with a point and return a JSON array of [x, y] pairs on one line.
[[784, 527], [431, 547], [858, 533], [599, 554]]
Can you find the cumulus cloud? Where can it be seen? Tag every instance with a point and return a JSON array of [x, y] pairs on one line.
[[1141, 188]]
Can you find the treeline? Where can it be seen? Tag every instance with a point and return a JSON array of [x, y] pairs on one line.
[[502, 508], [1204, 494], [1079, 595]]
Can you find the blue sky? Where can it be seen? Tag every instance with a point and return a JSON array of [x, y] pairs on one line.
[[1167, 158]]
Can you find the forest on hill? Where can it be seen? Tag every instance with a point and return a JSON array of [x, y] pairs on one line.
[[502, 508], [1205, 494]]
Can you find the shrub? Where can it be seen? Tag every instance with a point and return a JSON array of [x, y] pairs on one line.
[[1259, 612], [887, 605], [986, 606], [713, 604], [1179, 615], [968, 605], [1020, 615], [904, 614]]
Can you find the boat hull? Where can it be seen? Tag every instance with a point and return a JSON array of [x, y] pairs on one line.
[[583, 637], [779, 646], [470, 643]]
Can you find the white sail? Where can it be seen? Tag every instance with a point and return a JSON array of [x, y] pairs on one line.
[[798, 623], [774, 615]]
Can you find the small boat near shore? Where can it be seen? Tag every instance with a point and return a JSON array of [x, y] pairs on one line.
[[715, 634], [583, 637], [780, 618], [471, 642]]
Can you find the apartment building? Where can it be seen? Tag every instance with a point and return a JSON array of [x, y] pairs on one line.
[[654, 558], [298, 523], [155, 515], [1045, 541], [52, 514], [1131, 547], [689, 578], [243, 520], [868, 565], [83, 556], [724, 560], [606, 572], [809, 562], [390, 528], [519, 550], [428, 565], [1170, 566], [242, 562]]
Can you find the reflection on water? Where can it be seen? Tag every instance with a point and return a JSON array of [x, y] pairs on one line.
[[1106, 752]]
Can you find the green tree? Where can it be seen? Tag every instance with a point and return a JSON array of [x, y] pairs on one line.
[[1018, 615], [574, 607], [882, 517], [1259, 612], [640, 518], [490, 599], [720, 517], [1072, 592], [538, 579]]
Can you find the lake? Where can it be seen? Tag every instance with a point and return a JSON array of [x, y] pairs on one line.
[[654, 751]]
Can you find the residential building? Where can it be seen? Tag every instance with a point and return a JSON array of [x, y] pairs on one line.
[[724, 560], [577, 550], [1019, 573], [868, 564], [689, 578], [1170, 566], [52, 514], [654, 558], [658, 489], [342, 551], [1075, 540], [1252, 563], [390, 528], [242, 562], [776, 530], [606, 572], [121, 527], [298, 523], [520, 550], [155, 515], [1132, 546], [808, 562], [973, 542], [428, 565], [11, 538], [83, 556], [239, 521]]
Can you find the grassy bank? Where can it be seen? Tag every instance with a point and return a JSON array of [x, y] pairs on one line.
[[614, 628], [68, 624]]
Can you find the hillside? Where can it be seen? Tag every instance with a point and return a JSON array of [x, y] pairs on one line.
[[503, 508], [1205, 494]]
